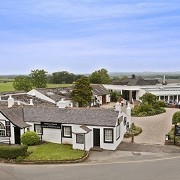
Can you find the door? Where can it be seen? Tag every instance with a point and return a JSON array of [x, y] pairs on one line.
[[96, 137], [104, 99], [17, 135]]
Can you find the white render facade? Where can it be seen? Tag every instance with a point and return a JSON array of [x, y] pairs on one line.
[[81, 136], [168, 93]]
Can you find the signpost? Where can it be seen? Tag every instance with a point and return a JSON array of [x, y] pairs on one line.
[[176, 132]]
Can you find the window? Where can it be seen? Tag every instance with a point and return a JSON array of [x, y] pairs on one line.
[[125, 120], [67, 131], [2, 130], [117, 132], [108, 135], [8, 129], [80, 138], [38, 129]]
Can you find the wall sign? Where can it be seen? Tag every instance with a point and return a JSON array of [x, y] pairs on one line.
[[177, 130], [51, 125]]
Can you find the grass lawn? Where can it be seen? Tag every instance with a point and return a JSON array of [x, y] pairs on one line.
[[52, 151]]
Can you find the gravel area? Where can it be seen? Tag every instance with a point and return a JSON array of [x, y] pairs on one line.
[[154, 127]]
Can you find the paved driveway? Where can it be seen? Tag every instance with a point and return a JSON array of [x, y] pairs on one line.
[[154, 127]]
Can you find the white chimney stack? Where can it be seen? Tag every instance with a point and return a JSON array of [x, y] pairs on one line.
[[10, 101], [62, 103], [118, 107], [128, 110], [18, 103], [164, 79], [31, 102]]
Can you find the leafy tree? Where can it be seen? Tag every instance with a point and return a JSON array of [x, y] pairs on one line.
[[176, 118], [100, 77], [114, 96], [149, 98], [39, 78], [22, 83], [63, 77], [82, 92]]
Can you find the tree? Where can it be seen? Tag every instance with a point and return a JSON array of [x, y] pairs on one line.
[[149, 98], [176, 118], [39, 78], [22, 83], [82, 92], [100, 77]]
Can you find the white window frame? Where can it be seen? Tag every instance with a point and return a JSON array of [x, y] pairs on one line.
[[39, 130], [108, 135], [2, 130], [118, 132], [67, 131]]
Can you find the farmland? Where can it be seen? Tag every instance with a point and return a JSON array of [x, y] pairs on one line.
[[8, 86]]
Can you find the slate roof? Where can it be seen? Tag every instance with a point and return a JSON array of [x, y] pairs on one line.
[[99, 90], [24, 98], [82, 116], [138, 81], [56, 93], [15, 115]]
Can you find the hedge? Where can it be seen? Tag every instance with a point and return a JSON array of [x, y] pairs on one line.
[[12, 151]]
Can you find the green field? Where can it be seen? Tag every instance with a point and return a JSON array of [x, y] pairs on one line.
[[8, 86]]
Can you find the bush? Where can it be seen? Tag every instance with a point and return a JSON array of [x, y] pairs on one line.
[[176, 118], [12, 151], [161, 103], [30, 138], [134, 131]]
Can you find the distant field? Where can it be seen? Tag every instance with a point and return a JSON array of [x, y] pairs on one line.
[[6, 87], [9, 86]]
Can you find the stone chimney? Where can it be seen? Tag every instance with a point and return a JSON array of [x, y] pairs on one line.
[[31, 102], [10, 101], [61, 104]]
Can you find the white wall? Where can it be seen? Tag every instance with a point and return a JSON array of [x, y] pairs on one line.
[[40, 95], [2, 120], [51, 135], [140, 93], [108, 98]]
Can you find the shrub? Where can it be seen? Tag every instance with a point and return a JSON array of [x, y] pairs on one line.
[[12, 151], [134, 130], [161, 103], [176, 118], [30, 138]]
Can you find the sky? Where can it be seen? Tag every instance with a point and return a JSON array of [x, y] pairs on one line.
[[82, 36]]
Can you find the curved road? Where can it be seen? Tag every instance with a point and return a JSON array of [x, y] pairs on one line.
[[164, 169], [154, 127]]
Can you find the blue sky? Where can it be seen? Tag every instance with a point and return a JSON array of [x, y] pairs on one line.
[[81, 36]]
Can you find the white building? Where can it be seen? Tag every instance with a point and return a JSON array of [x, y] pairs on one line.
[[84, 128]]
